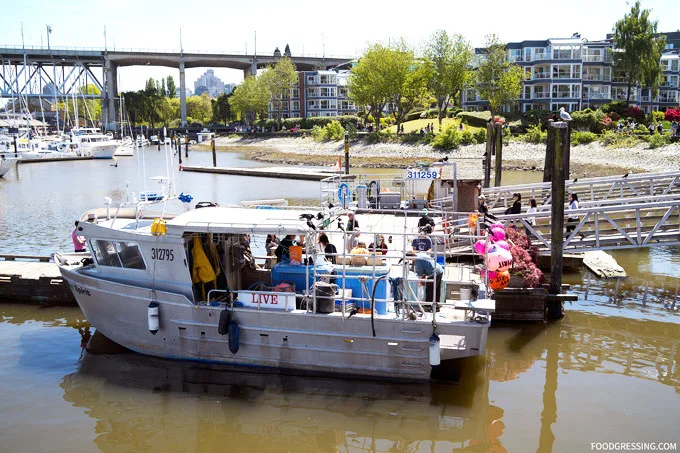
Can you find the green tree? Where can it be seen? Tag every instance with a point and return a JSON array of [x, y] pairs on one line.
[[409, 79], [638, 49], [164, 92], [250, 99], [150, 86], [450, 58], [221, 110], [372, 84], [172, 89], [199, 108], [498, 80], [278, 80], [89, 110]]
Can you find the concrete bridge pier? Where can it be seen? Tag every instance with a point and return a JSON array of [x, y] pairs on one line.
[[109, 110], [182, 94]]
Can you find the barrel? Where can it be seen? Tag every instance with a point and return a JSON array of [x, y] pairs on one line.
[[325, 297]]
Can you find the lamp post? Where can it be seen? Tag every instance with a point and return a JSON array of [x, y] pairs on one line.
[[54, 75]]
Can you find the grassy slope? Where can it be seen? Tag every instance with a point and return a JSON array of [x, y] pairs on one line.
[[416, 125]]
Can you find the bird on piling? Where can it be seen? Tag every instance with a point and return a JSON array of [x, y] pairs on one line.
[[574, 181], [625, 176], [564, 115]]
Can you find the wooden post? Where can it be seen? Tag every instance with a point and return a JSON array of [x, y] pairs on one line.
[[566, 147], [498, 132], [549, 153], [557, 221], [212, 147], [179, 149], [186, 146], [489, 151]]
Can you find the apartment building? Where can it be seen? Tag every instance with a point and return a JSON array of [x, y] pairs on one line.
[[575, 73], [317, 93]]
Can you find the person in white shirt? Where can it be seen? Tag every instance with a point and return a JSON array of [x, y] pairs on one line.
[[572, 219], [532, 209]]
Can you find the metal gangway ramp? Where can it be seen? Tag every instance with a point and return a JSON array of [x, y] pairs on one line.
[[608, 224], [625, 188]]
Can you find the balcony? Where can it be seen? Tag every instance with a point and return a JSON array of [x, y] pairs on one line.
[[536, 57], [596, 77], [668, 99], [541, 75], [597, 59], [565, 95], [596, 96]]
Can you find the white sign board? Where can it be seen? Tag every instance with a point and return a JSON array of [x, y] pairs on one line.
[[267, 300], [419, 173]]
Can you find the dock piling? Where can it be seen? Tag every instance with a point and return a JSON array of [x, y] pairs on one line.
[[561, 133], [498, 140], [214, 154]]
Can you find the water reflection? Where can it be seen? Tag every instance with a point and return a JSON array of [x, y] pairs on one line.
[[148, 404]]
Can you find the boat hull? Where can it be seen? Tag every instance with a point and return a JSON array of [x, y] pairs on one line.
[[312, 343], [6, 164]]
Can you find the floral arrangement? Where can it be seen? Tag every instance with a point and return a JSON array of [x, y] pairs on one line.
[[524, 256]]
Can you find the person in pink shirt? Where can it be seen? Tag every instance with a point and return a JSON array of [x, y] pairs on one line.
[[78, 241]]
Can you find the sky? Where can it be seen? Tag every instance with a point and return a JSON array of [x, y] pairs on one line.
[[309, 27]]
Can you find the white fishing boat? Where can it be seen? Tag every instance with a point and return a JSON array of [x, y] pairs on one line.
[[93, 143], [188, 288], [6, 164]]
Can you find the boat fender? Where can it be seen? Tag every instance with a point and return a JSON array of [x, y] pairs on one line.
[[232, 335], [223, 325], [434, 350], [153, 318]]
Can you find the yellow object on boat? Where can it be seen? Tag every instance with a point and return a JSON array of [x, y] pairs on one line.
[[158, 227]]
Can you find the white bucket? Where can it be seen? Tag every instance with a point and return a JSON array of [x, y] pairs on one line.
[[465, 293]]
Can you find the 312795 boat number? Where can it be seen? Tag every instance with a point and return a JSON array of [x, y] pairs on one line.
[[162, 254]]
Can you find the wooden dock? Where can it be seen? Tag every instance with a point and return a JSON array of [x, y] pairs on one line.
[[52, 159], [35, 279], [268, 172]]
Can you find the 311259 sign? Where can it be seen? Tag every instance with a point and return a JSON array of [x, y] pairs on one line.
[[421, 174]]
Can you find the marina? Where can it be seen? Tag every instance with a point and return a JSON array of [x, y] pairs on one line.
[[516, 357]]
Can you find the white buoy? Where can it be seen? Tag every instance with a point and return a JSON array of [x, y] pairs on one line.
[[153, 318], [434, 350]]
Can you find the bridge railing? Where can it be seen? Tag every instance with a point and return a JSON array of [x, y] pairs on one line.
[[71, 49], [607, 225], [589, 189]]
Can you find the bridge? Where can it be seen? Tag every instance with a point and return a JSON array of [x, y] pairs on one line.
[[26, 71]]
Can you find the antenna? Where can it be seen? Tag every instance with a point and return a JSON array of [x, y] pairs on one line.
[[181, 49], [105, 50]]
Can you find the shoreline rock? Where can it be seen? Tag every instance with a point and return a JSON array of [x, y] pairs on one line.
[[586, 160]]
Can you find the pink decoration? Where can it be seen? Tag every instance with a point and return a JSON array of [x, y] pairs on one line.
[[496, 225], [498, 234], [499, 260], [480, 245], [503, 245]]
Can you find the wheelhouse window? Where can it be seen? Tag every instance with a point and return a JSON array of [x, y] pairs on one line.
[[118, 254]]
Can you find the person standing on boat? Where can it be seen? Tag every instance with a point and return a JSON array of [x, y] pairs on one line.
[[79, 242], [427, 269], [425, 220], [327, 248], [422, 243], [282, 251], [352, 237]]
